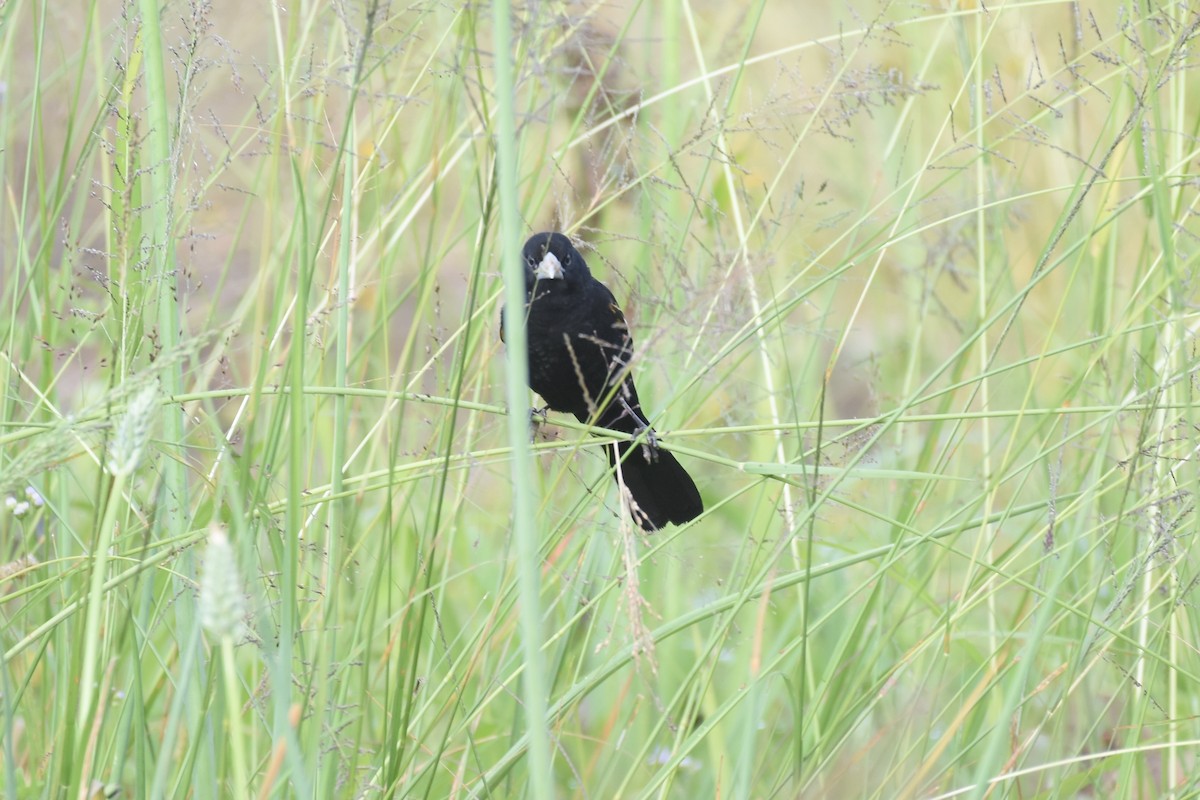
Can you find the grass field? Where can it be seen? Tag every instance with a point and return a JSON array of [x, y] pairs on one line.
[[914, 294]]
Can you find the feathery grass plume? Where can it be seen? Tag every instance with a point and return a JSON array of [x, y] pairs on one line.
[[48, 448], [133, 432], [17, 566], [222, 602], [78, 431]]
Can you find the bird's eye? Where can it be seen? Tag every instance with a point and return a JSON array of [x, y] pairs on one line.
[[567, 261]]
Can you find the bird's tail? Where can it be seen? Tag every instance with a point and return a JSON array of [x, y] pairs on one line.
[[661, 489]]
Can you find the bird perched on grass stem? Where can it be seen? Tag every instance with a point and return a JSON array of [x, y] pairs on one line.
[[580, 351]]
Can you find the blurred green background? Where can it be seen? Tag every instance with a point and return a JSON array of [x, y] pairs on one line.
[[913, 291]]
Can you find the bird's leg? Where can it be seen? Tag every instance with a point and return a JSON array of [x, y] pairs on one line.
[[640, 428]]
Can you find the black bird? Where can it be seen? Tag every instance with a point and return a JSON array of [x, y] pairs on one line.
[[580, 351]]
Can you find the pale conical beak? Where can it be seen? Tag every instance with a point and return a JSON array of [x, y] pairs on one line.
[[550, 269]]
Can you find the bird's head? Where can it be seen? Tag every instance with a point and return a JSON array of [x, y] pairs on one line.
[[551, 257]]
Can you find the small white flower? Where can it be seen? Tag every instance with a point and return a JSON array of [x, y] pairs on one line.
[[20, 509], [34, 497], [662, 756]]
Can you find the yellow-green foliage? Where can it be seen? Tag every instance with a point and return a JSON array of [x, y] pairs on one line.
[[913, 291]]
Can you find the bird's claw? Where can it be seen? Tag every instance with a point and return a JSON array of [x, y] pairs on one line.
[[537, 418], [651, 443], [641, 429]]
